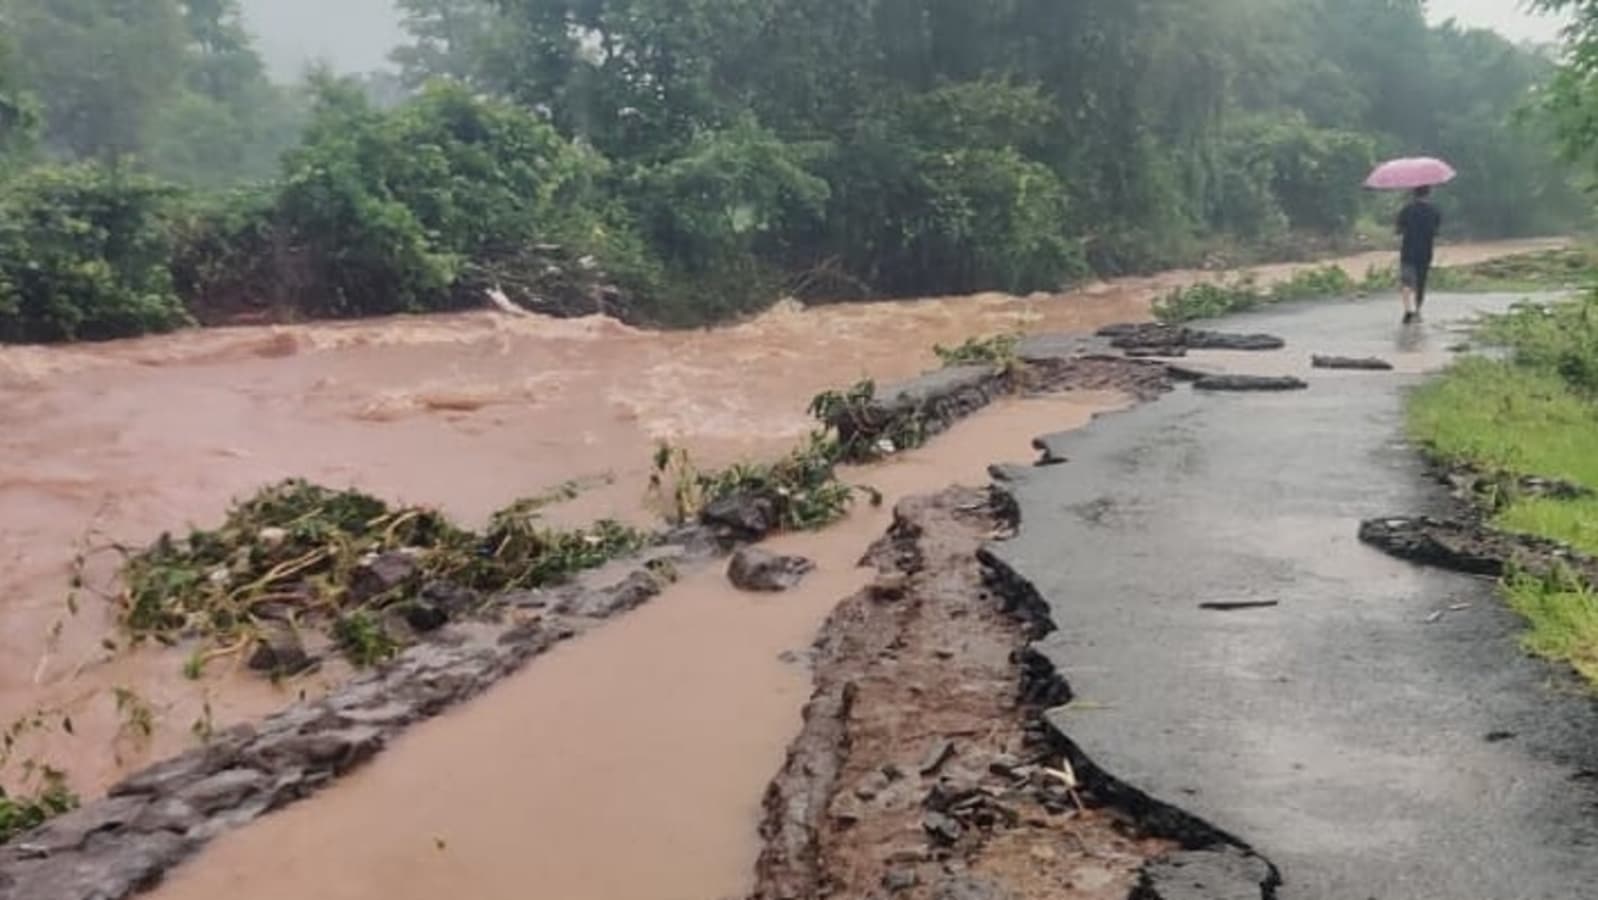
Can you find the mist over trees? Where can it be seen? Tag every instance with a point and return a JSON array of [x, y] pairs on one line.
[[678, 162]]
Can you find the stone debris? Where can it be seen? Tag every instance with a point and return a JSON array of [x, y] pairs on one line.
[[1366, 364], [1170, 340], [1220, 873], [1249, 383], [757, 570], [1472, 547]]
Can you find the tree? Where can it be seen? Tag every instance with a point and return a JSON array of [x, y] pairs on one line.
[[101, 68], [453, 39]]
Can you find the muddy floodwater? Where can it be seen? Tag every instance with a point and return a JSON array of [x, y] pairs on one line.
[[109, 445], [628, 765]]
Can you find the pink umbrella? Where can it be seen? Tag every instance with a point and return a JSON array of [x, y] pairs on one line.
[[1408, 174]]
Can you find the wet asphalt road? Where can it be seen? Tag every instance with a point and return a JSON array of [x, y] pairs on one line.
[[1368, 753]]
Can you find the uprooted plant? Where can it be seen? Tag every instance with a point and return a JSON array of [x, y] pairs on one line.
[[802, 489], [34, 791], [999, 351], [339, 560]]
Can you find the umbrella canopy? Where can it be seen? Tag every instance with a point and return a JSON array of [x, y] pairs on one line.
[[1408, 174]]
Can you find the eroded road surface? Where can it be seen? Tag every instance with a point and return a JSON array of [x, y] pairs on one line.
[[1365, 746]]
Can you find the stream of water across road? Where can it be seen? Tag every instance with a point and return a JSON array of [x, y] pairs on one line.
[[635, 743]]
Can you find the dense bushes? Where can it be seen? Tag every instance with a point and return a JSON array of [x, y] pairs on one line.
[[681, 164], [84, 254]]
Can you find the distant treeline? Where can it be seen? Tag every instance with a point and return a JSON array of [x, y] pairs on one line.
[[680, 162]]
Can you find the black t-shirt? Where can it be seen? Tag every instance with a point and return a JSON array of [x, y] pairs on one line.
[[1419, 223]]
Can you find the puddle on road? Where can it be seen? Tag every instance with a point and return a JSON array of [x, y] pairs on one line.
[[628, 765]]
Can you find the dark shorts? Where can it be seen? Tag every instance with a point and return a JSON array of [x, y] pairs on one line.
[[1414, 273]]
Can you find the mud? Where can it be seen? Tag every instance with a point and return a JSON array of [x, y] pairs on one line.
[[923, 769]]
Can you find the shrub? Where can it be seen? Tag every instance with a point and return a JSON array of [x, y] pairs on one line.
[[84, 255]]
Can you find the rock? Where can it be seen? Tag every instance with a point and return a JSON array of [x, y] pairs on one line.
[[338, 750], [170, 814], [900, 879], [872, 786], [111, 869], [438, 603], [1226, 873], [1215, 340], [1169, 340], [1250, 383], [628, 594], [754, 569], [845, 810], [941, 751], [942, 828], [1368, 364], [742, 517], [966, 887], [424, 617], [224, 790], [72, 830], [1473, 548], [1004, 765], [381, 574], [279, 650]]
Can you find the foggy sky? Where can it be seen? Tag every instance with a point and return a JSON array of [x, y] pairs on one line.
[[356, 35], [1506, 16], [353, 35]]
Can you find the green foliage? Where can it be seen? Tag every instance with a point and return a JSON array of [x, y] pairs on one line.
[[1532, 414], [36, 792], [417, 209], [998, 350], [1496, 415], [1563, 617], [1561, 339], [1208, 300], [802, 488], [363, 639], [84, 255], [49, 798], [299, 547]]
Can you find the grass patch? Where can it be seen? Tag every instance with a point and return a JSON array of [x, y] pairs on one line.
[[1504, 417], [1533, 413], [1563, 615], [1573, 522]]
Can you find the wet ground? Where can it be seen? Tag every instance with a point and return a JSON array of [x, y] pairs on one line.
[[1364, 744]]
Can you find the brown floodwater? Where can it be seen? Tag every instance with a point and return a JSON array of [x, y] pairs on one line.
[[628, 765], [110, 444]]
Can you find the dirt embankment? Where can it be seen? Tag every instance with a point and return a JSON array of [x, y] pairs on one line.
[[923, 769]]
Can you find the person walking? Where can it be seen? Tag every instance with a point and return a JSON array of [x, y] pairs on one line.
[[1418, 224]]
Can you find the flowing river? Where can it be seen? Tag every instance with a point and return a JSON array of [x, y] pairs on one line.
[[108, 445]]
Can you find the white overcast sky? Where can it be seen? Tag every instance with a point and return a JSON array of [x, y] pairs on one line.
[[1507, 16], [356, 35]]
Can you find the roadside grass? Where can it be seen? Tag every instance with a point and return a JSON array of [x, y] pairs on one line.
[[1564, 620], [1544, 271], [1208, 300], [1504, 417], [1533, 412], [1574, 522]]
